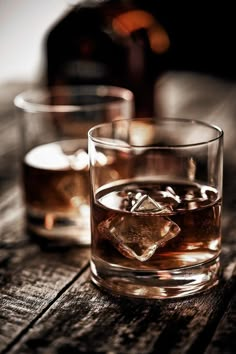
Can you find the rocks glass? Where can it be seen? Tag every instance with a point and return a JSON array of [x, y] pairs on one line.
[[156, 206], [54, 126]]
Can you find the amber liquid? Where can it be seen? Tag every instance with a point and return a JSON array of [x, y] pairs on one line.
[[55, 177], [195, 210], [57, 189]]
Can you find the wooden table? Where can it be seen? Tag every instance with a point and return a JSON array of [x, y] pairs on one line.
[[48, 304]]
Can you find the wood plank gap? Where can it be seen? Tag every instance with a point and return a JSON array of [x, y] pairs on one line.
[[204, 341], [31, 324]]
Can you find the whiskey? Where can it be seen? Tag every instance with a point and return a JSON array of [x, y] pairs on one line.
[[156, 225], [56, 190], [56, 181], [156, 230]]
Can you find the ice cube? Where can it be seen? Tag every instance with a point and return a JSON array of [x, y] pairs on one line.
[[129, 198], [171, 197], [170, 193], [194, 198], [208, 193], [146, 204], [167, 197], [79, 160], [138, 236], [73, 189]]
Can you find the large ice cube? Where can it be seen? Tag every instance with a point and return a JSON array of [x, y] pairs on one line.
[[138, 236]]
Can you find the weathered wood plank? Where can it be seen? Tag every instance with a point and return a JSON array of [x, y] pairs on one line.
[[84, 319], [33, 279], [48, 305], [33, 286], [224, 340], [12, 218], [9, 150]]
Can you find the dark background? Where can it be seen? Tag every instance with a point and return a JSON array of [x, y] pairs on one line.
[[202, 35]]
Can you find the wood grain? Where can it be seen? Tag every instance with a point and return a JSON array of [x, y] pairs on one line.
[[84, 319], [48, 304], [33, 285], [224, 339]]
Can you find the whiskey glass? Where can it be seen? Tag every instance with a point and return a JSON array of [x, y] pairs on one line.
[[54, 125], [156, 206]]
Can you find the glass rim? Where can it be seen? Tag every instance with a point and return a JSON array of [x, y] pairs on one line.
[[24, 102], [165, 120]]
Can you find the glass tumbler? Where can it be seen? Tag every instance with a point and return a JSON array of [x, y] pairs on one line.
[[156, 206], [54, 125]]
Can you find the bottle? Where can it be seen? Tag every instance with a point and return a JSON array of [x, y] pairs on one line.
[[110, 42]]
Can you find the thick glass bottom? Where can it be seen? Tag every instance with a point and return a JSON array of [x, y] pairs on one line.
[[164, 284], [64, 228]]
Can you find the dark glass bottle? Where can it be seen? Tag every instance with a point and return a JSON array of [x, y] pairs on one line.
[[111, 42]]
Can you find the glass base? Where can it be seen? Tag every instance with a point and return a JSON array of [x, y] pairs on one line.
[[61, 227], [164, 284]]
